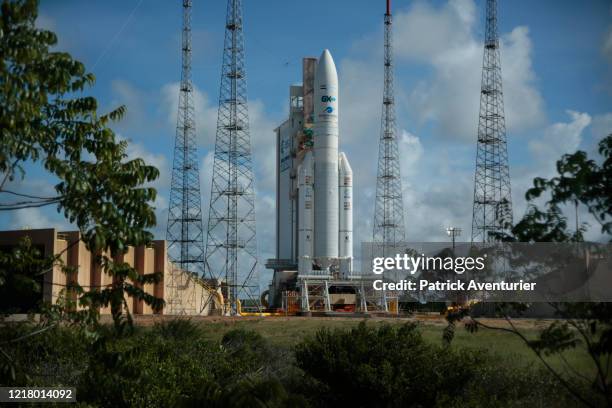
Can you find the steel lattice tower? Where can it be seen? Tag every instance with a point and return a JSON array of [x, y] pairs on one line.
[[389, 206], [492, 211], [185, 234], [231, 249]]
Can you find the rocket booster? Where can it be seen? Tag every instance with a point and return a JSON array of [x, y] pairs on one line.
[[305, 214], [326, 202], [345, 209]]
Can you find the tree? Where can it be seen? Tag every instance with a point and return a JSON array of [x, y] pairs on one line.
[[580, 182], [47, 119]]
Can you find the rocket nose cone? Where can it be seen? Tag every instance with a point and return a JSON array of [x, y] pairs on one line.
[[326, 67], [326, 58]]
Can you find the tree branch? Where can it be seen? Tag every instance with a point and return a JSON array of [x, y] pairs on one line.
[[559, 378], [8, 173]]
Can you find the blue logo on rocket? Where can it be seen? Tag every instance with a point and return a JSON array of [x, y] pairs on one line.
[[329, 109]]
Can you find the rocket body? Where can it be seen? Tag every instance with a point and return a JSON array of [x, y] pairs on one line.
[[306, 214], [326, 202]]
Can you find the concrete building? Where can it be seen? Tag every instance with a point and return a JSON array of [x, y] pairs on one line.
[[89, 274]]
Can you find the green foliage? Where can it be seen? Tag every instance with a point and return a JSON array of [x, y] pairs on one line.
[[392, 366], [173, 365], [53, 356], [46, 118], [385, 366], [21, 276], [176, 329], [580, 181]]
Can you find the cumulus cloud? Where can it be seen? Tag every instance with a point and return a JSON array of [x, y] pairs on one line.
[[33, 218], [410, 151], [559, 138], [437, 172], [445, 40], [205, 111], [158, 160], [260, 124]]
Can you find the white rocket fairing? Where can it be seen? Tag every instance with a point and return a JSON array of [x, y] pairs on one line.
[[326, 202]]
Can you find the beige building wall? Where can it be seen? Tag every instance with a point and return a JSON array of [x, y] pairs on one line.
[[89, 273]]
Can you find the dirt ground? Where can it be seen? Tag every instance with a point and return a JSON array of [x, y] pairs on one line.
[[429, 319]]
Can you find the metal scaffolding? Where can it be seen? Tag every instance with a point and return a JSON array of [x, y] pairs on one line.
[[184, 232], [492, 211], [231, 248], [389, 206]]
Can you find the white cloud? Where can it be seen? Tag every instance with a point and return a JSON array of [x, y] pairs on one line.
[[444, 39], [124, 93], [410, 151], [424, 33], [158, 160], [558, 139], [438, 174], [205, 111], [545, 150], [33, 218]]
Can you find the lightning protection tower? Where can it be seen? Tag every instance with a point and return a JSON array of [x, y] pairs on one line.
[[231, 248], [389, 206], [492, 211], [185, 234]]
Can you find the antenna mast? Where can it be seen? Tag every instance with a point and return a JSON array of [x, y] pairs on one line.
[[389, 206], [231, 248], [492, 211], [184, 234]]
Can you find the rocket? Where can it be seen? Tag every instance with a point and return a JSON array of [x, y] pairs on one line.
[[326, 161], [325, 184]]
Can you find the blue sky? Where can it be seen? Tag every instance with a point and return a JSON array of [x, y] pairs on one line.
[[557, 72]]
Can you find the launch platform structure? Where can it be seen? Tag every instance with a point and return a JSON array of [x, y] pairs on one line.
[[185, 234], [389, 228], [492, 210], [231, 247]]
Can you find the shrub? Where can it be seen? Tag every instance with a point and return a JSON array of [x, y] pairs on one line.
[[393, 366]]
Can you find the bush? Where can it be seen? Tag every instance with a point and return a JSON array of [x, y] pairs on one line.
[[174, 365], [54, 357], [385, 366], [393, 366]]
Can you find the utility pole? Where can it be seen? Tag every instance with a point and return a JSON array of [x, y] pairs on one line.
[[453, 232]]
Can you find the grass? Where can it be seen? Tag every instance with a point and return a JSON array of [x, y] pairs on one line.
[[286, 332]]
